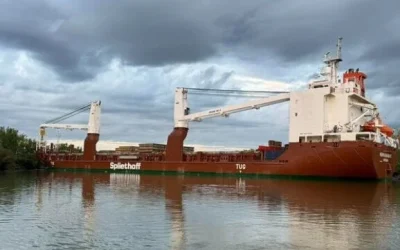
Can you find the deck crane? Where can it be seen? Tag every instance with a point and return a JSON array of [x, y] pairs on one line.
[[93, 125], [182, 115]]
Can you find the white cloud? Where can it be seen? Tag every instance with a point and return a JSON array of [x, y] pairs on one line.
[[138, 101], [253, 83]]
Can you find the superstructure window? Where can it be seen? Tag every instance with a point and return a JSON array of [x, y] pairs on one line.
[[332, 138], [314, 138], [362, 137]]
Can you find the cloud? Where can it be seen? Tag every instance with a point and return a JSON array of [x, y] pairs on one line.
[[77, 39], [57, 56], [261, 84]]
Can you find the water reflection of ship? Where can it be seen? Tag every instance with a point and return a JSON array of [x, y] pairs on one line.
[[126, 184], [345, 204], [39, 194], [342, 204], [88, 190], [171, 186], [88, 204]]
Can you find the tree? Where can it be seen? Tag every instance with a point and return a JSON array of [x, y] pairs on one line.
[[396, 135], [16, 150], [398, 161], [7, 160]]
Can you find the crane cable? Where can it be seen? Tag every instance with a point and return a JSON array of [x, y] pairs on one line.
[[231, 92], [70, 114], [230, 95]]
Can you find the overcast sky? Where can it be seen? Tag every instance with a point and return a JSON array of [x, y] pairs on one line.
[[58, 55]]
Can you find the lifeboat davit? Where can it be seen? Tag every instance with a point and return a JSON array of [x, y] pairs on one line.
[[370, 127]]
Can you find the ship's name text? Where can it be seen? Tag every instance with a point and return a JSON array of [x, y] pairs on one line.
[[127, 166], [240, 166], [385, 155], [214, 111]]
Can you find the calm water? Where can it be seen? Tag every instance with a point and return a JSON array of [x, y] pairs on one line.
[[126, 211]]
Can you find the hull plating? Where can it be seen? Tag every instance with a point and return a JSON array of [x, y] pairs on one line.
[[363, 160]]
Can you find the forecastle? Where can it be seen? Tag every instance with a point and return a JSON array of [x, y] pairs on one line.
[[134, 166]]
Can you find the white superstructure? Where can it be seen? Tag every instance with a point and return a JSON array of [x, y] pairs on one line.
[[330, 110], [334, 109]]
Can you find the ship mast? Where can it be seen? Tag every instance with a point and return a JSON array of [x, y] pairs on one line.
[[332, 63]]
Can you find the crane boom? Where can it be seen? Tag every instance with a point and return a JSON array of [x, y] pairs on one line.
[[92, 127], [182, 116], [65, 126]]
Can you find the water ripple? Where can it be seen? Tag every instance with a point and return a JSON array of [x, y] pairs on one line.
[[118, 211]]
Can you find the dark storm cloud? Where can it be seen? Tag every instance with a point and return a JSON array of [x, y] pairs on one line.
[[148, 94], [136, 100], [76, 39], [385, 78], [57, 55], [382, 67], [68, 38], [388, 51]]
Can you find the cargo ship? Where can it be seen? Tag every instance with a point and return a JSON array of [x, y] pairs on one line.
[[334, 131]]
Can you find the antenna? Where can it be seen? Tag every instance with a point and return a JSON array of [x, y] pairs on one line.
[[326, 56], [332, 64], [339, 47]]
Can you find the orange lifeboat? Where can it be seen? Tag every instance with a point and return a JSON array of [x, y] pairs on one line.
[[370, 127]]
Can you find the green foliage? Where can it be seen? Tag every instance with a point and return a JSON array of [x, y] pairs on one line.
[[7, 160], [16, 150], [398, 161]]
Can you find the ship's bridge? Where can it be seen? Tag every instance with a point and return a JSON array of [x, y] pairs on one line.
[[319, 84], [334, 109]]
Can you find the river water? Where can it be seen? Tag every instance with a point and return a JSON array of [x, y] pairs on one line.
[[61, 210]]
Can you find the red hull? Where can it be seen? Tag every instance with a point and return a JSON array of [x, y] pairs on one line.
[[365, 160]]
